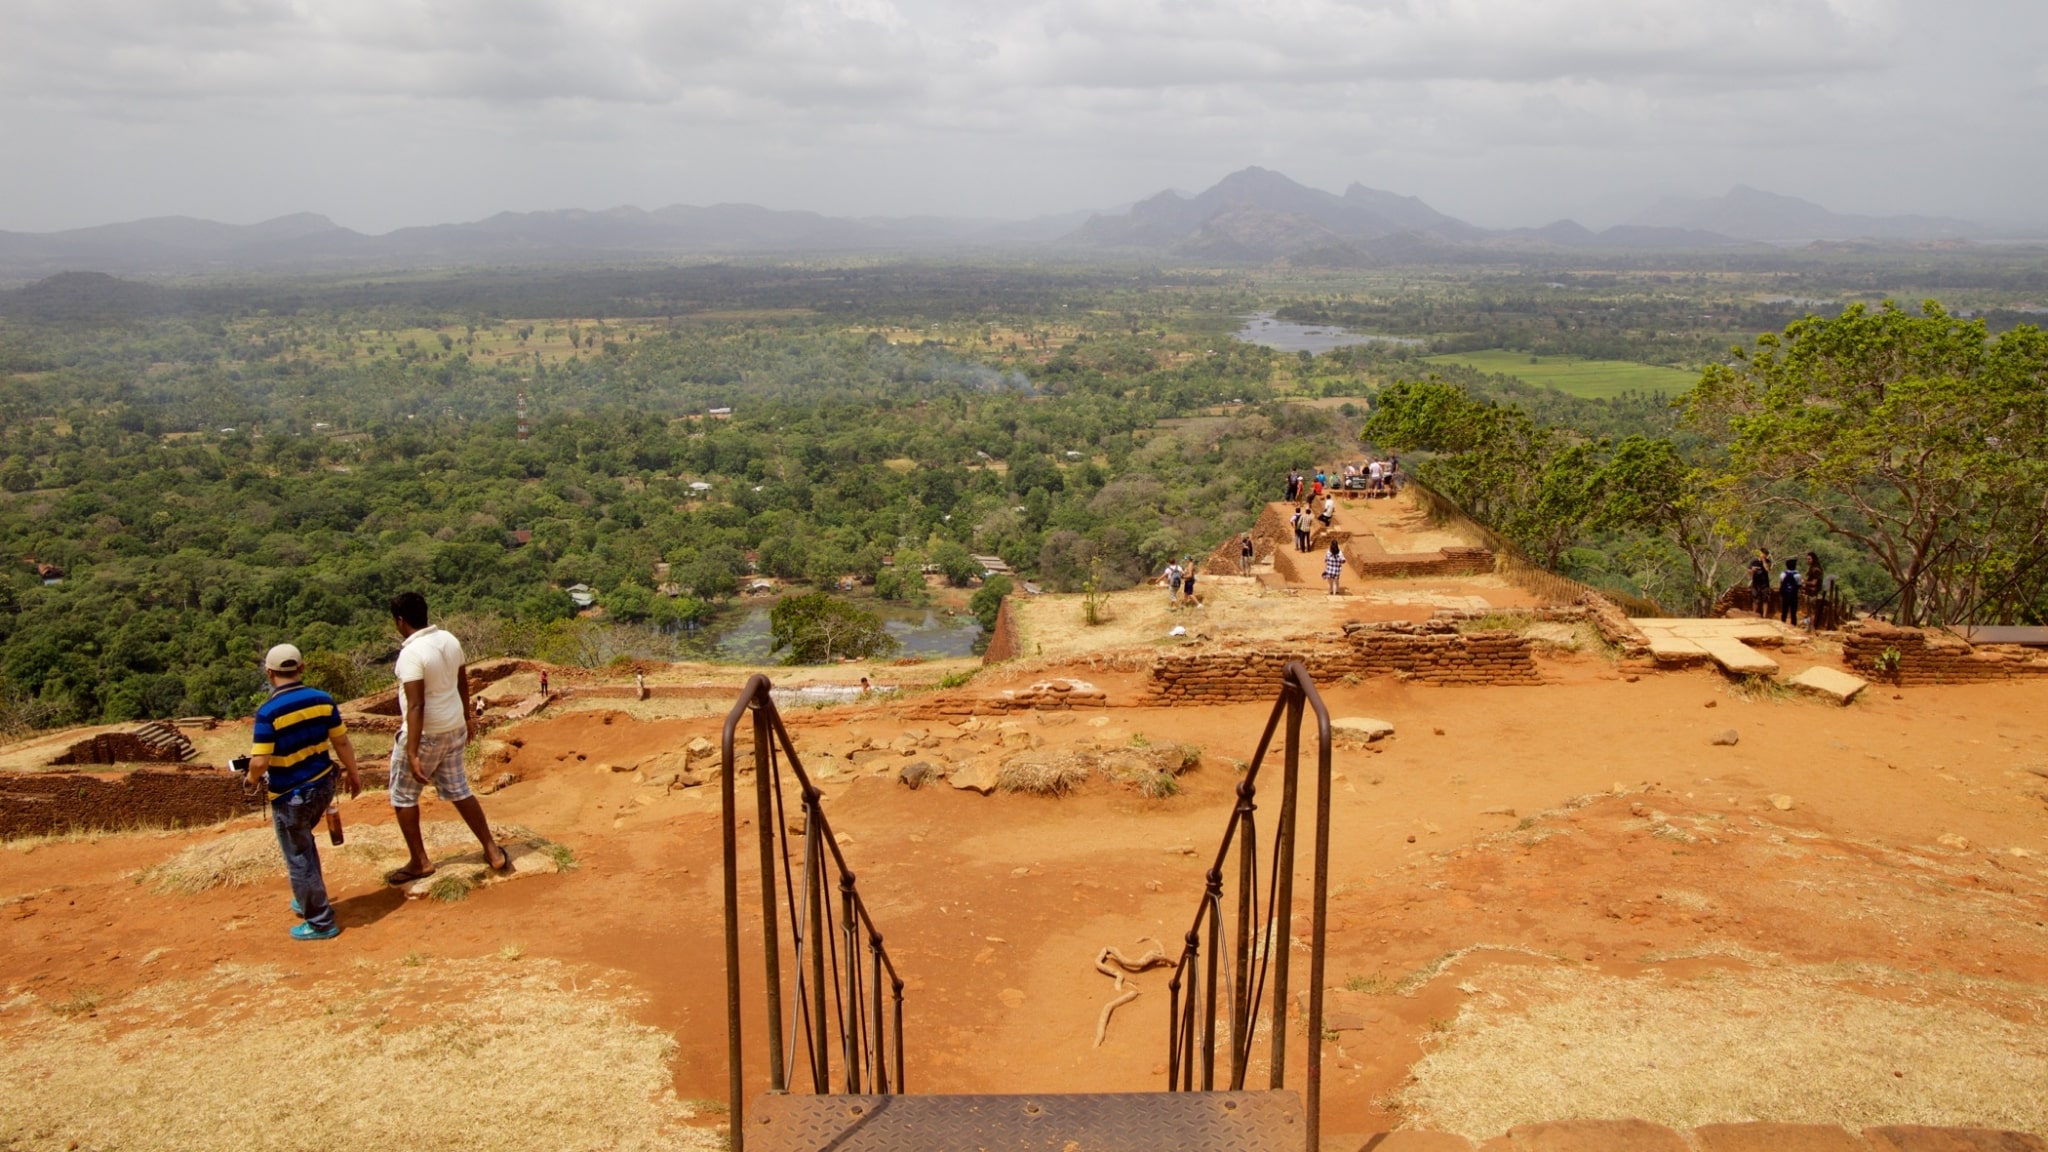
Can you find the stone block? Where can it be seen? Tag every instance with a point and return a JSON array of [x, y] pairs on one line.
[[1775, 1138], [1841, 687], [1737, 658], [1594, 1136], [1360, 728], [974, 776]]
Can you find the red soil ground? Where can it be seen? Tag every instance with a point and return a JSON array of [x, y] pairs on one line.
[[1588, 818]]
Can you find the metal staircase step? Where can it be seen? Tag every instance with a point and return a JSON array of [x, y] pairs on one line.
[[1110, 1122]]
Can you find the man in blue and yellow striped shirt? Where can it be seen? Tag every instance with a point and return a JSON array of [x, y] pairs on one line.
[[298, 736]]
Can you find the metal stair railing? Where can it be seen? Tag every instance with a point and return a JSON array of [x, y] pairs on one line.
[[831, 993], [1260, 928]]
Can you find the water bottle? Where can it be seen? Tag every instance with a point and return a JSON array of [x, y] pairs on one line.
[[334, 821]]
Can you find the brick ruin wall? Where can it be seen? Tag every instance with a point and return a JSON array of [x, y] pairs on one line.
[[120, 748], [1003, 641], [1927, 657], [1433, 653], [1450, 561], [1269, 534], [54, 803]]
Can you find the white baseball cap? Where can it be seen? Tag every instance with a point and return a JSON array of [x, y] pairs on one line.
[[283, 658]]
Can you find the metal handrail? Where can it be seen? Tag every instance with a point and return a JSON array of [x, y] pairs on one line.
[[871, 1049], [1261, 929]]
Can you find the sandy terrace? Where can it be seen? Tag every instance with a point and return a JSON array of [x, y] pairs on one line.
[[1549, 900]]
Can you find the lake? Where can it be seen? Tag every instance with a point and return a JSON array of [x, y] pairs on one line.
[[1265, 329], [742, 634]]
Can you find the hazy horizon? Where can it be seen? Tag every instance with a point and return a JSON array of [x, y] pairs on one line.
[[1505, 113]]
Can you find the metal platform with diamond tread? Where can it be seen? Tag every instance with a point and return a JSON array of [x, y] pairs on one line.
[[1109, 1122]]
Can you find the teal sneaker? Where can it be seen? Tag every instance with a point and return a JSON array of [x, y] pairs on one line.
[[308, 932], [296, 910]]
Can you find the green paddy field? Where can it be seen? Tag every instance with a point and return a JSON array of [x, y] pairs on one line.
[[1593, 379]]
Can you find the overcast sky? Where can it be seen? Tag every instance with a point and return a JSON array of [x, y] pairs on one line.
[[383, 113]]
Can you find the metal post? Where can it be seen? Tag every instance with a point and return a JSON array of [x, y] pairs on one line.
[[1283, 873], [1214, 899], [1173, 1032], [1320, 934], [851, 1023], [814, 945], [771, 935], [1241, 984], [881, 1050], [897, 988], [735, 1090]]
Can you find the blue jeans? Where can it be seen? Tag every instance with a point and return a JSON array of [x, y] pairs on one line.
[[296, 817]]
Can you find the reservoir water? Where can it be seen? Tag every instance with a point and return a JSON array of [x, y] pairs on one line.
[[742, 634], [1287, 336]]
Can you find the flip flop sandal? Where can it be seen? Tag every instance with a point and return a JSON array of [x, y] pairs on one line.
[[400, 877]]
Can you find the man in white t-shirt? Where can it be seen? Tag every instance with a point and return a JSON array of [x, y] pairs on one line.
[[433, 701]]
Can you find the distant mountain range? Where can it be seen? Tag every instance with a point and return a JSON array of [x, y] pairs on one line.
[[1251, 216]]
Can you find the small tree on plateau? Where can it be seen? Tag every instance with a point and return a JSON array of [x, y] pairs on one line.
[[1915, 436], [817, 628]]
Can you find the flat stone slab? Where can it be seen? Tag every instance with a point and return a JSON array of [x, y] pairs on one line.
[[1737, 657], [469, 869], [1836, 685], [1360, 728], [1668, 649]]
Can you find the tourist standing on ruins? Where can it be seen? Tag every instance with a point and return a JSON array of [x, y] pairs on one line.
[[435, 726], [1788, 592], [1187, 583], [1301, 523], [1329, 510], [1245, 552], [1760, 582], [298, 734], [1333, 569], [1171, 577]]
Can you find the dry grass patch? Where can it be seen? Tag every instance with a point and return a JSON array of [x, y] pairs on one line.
[[446, 1055], [1730, 1046], [237, 858]]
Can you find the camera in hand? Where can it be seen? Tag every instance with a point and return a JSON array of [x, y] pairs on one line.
[[239, 764]]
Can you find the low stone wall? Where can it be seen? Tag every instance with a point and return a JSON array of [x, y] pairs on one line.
[[54, 803], [1614, 625], [127, 748], [1269, 533], [1003, 641], [1927, 657], [1060, 695], [1456, 560], [1433, 653]]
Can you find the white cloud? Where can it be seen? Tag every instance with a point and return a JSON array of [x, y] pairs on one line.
[[384, 112]]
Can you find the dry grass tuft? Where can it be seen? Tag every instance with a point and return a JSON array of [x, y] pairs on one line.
[[1783, 1046], [1042, 773], [360, 1064], [238, 858]]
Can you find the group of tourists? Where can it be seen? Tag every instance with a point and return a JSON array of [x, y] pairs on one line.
[[299, 736], [1179, 579], [1794, 589], [1374, 478], [1304, 522]]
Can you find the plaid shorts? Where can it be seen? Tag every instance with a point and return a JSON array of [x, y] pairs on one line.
[[441, 757]]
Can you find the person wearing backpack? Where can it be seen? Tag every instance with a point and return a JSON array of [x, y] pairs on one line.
[[1788, 592]]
